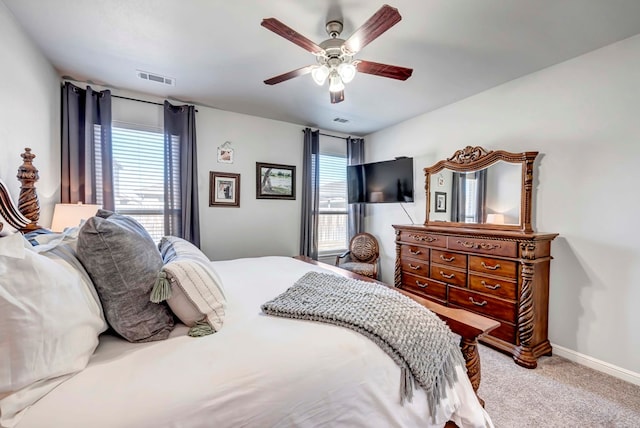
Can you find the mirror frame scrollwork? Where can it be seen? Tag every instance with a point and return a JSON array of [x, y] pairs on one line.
[[476, 158]]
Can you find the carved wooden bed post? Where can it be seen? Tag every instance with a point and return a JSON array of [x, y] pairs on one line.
[[28, 203]]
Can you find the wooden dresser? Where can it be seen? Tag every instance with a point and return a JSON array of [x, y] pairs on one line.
[[477, 249], [501, 275]]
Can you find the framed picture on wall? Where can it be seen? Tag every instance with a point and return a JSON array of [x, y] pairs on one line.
[[225, 155], [441, 202], [224, 189], [275, 181]]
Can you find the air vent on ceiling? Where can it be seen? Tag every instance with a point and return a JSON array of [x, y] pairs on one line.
[[340, 120], [145, 75]]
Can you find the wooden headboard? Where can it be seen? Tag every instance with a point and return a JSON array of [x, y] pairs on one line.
[[25, 216], [9, 211]]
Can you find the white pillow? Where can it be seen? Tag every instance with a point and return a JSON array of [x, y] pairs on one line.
[[49, 321], [196, 294]]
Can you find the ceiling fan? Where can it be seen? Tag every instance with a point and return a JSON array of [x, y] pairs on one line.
[[334, 56]]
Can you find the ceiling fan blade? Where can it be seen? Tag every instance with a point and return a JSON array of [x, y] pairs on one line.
[[384, 70], [292, 35], [290, 75], [385, 18], [337, 97]]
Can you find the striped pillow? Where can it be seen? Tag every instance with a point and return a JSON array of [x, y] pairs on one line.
[[194, 289]]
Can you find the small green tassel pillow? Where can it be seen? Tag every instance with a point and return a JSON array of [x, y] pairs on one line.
[[190, 286]]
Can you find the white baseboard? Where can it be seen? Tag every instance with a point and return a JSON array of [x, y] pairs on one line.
[[601, 366]]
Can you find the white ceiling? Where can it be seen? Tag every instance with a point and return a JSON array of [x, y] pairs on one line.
[[219, 54]]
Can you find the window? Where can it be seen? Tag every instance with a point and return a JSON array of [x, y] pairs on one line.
[[332, 218], [471, 198], [138, 175]]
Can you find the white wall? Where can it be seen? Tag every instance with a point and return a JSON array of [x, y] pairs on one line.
[[29, 113], [582, 116], [259, 226]]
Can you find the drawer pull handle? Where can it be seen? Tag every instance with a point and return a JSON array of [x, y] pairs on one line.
[[489, 286], [476, 245], [486, 266], [423, 238], [484, 302], [444, 275], [415, 253], [450, 259], [421, 285], [414, 267]]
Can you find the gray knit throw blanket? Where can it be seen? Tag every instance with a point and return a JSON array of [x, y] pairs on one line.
[[414, 337]]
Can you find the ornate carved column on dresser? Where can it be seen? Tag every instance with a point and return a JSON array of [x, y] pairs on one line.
[[477, 252]]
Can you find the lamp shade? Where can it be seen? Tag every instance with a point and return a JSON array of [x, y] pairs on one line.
[[376, 197], [70, 215], [319, 74], [335, 83], [495, 218], [347, 71]]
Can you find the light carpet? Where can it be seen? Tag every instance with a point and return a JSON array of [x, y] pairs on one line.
[[558, 393]]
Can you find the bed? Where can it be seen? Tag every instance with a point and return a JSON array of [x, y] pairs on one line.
[[256, 370]]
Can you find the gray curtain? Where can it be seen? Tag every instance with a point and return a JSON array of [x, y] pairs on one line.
[[181, 217], [458, 193], [87, 173], [310, 194], [355, 156], [481, 196]]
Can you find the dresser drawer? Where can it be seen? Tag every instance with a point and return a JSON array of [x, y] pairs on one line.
[[484, 246], [417, 267], [499, 309], [424, 238], [504, 268], [449, 259], [424, 286], [414, 252], [448, 275], [493, 286], [506, 332]]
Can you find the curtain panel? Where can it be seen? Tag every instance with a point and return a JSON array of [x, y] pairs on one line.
[[181, 216], [356, 213], [310, 194], [86, 158], [460, 193]]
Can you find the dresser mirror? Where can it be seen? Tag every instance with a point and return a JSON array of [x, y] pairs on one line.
[[482, 189]]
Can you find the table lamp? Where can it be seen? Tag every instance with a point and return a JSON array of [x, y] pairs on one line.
[[70, 215]]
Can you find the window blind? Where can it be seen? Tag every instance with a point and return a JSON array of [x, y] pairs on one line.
[[138, 176], [332, 221]]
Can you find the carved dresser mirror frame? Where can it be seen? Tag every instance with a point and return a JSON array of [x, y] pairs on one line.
[[477, 158]]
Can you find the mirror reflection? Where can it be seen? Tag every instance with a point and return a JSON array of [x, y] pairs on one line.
[[491, 195]]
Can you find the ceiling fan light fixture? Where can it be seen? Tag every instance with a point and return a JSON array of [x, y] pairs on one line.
[[347, 71], [335, 83], [320, 74]]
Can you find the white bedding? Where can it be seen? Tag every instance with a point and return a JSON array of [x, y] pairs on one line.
[[257, 371]]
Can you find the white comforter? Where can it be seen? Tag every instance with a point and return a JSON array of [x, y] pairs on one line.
[[258, 371]]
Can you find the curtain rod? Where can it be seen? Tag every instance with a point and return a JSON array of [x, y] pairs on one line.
[[329, 135], [140, 101]]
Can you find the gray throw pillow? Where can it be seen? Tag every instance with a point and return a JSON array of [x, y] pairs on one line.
[[123, 263]]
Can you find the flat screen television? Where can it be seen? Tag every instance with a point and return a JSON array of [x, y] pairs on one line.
[[381, 182]]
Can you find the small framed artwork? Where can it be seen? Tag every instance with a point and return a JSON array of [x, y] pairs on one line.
[[441, 202], [275, 181], [224, 189], [225, 154]]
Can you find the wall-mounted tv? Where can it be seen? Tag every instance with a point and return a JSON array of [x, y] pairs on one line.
[[381, 182]]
